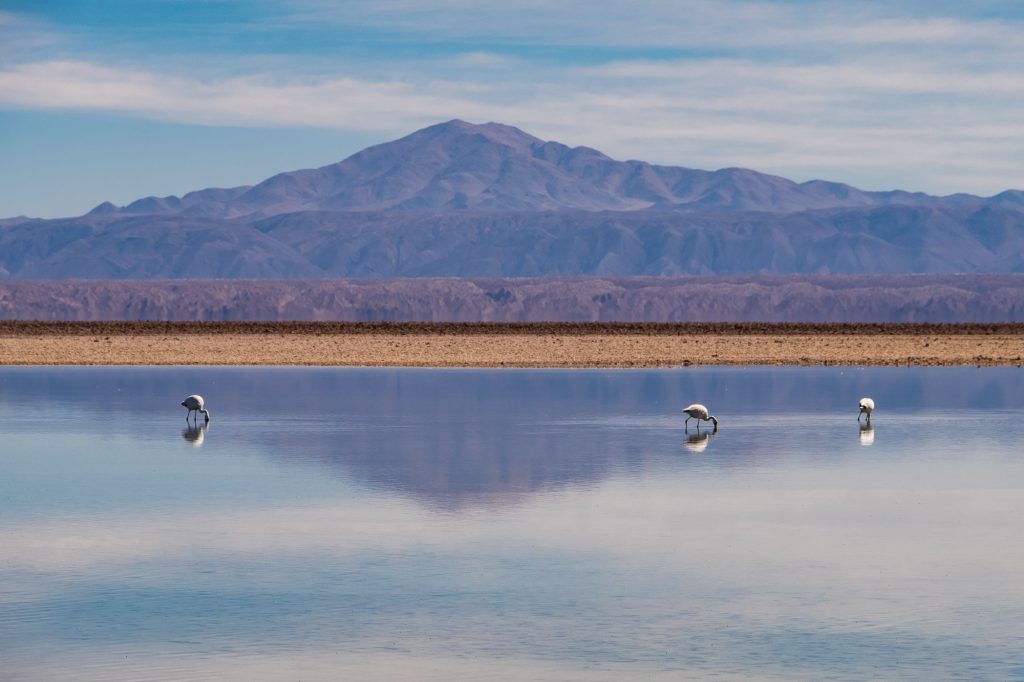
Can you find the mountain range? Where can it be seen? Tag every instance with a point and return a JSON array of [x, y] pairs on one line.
[[464, 200], [747, 298]]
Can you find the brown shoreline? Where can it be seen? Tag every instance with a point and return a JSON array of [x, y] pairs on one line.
[[507, 344]]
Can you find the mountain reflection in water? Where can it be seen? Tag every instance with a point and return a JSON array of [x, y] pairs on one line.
[[442, 435], [447, 524]]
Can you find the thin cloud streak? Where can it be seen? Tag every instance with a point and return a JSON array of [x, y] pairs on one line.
[[337, 102], [21, 35], [869, 96], [878, 75], [718, 24], [921, 121]]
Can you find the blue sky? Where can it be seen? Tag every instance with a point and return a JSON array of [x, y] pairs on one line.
[[119, 99]]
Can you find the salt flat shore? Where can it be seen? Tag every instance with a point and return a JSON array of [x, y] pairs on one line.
[[506, 344]]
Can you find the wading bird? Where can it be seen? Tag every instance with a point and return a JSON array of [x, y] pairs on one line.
[[195, 403], [700, 413], [866, 406]]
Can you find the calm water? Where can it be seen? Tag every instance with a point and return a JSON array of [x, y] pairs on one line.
[[440, 524]]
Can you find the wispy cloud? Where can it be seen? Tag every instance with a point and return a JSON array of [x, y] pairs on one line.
[[918, 118], [21, 35], [863, 94], [719, 24], [251, 100]]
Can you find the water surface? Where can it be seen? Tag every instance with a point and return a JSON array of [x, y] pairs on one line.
[[514, 524]]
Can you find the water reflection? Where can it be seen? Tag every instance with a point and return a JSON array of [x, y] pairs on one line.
[[195, 434], [382, 524], [867, 434], [458, 437], [698, 442]]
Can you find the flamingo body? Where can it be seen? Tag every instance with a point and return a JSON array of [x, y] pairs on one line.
[[195, 403], [700, 413]]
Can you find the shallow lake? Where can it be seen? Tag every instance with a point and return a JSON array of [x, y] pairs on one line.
[[514, 524]]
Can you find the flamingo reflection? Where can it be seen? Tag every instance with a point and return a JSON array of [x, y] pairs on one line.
[[867, 434], [698, 442], [195, 434]]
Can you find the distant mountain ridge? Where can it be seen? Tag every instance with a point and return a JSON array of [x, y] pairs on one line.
[[789, 298], [493, 167], [464, 200]]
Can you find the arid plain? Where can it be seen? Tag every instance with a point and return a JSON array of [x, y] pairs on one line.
[[507, 345]]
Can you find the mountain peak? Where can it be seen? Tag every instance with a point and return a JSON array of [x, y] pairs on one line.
[[103, 209], [494, 132], [458, 165]]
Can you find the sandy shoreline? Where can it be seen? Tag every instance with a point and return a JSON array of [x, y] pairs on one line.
[[498, 345]]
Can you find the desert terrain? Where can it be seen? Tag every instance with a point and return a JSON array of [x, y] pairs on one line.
[[506, 345]]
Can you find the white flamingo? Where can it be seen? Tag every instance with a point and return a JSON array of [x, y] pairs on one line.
[[700, 413], [195, 403], [867, 405]]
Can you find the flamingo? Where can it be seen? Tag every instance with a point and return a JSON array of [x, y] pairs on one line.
[[700, 413], [866, 406], [195, 403]]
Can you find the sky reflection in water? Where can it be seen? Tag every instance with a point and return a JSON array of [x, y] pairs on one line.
[[555, 524]]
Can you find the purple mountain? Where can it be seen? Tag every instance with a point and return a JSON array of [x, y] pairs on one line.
[[492, 167], [463, 200]]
